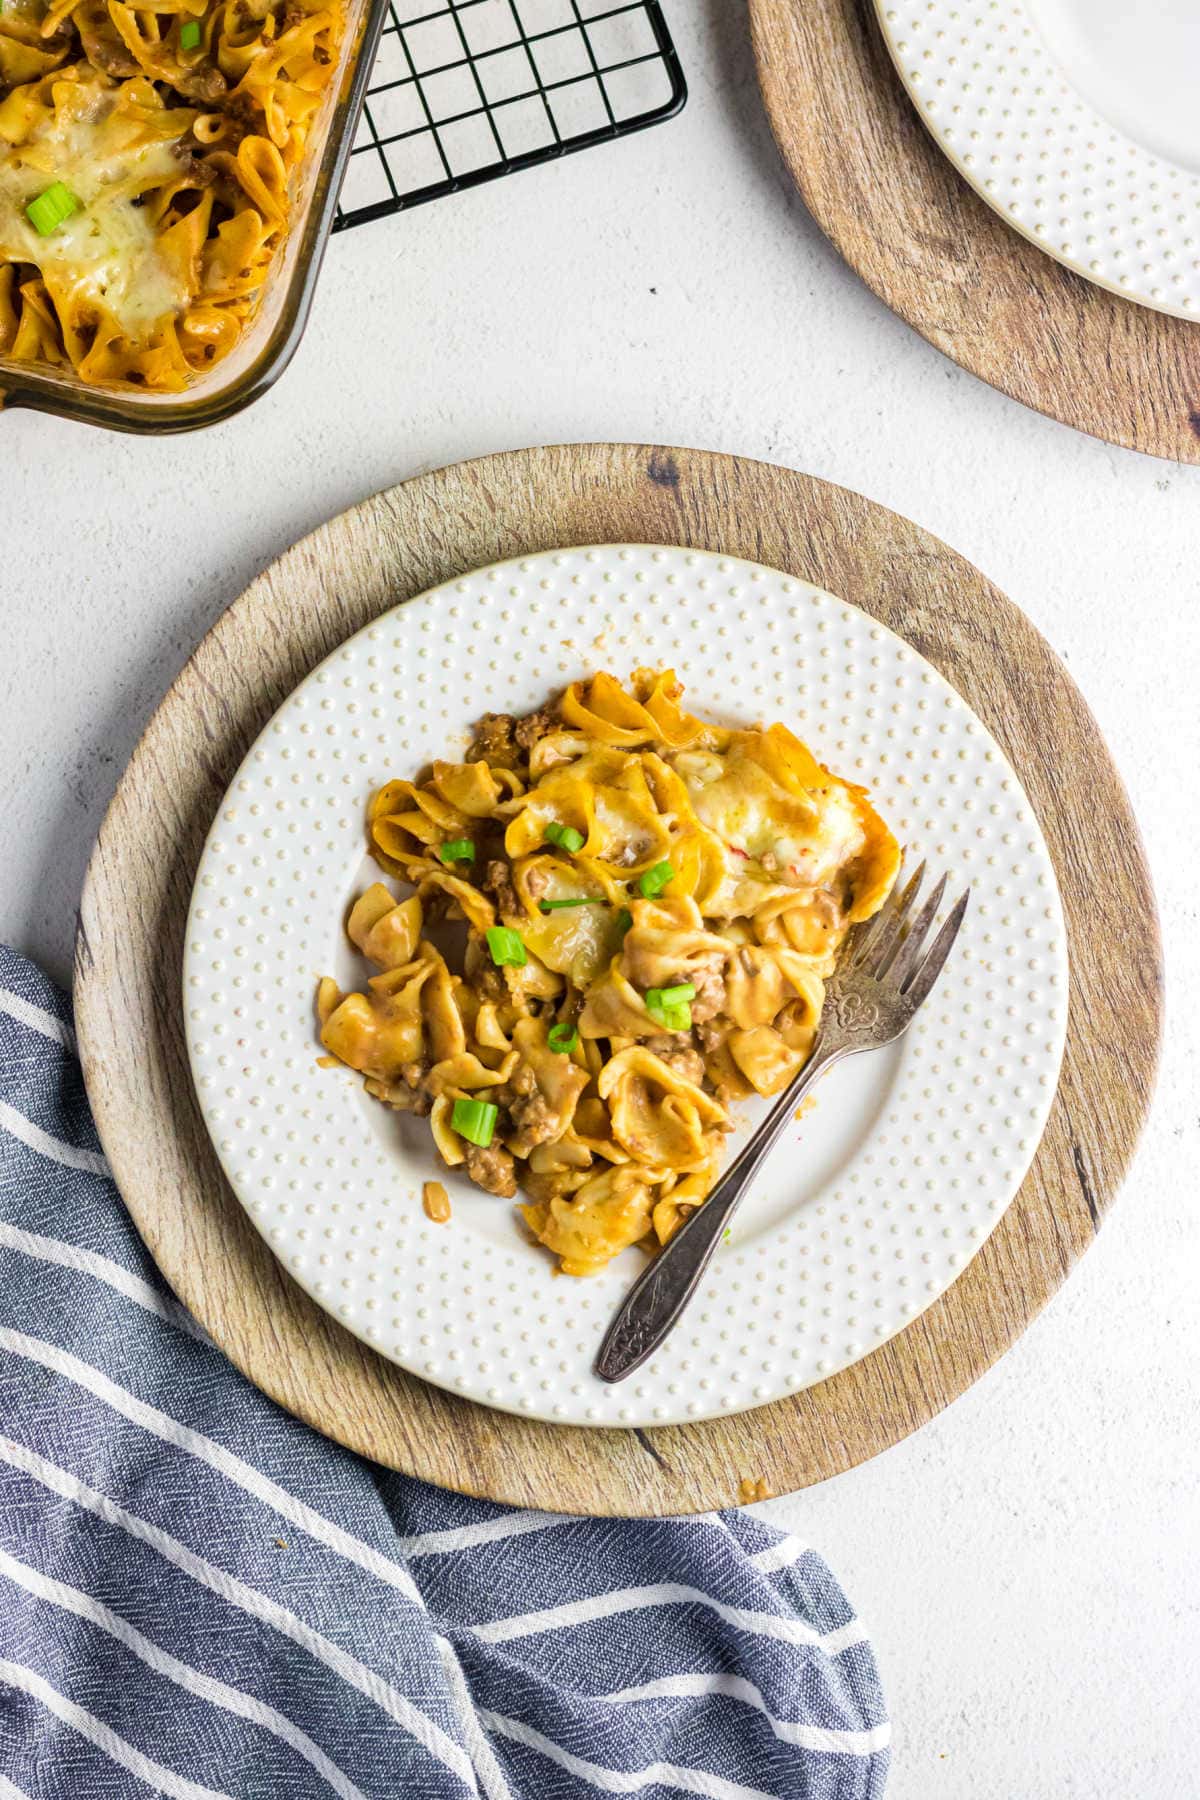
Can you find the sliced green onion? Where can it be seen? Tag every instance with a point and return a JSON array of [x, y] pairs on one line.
[[190, 35], [548, 906], [565, 836], [562, 1038], [507, 950], [655, 880], [624, 920], [47, 212], [669, 1006], [475, 1120], [457, 850]]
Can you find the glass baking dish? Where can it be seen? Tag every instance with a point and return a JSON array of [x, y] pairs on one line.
[[267, 345]]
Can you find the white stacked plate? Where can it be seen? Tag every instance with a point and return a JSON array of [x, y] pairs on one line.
[[1077, 121]]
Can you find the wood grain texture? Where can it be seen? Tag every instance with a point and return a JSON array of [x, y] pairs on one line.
[[905, 220], [129, 954]]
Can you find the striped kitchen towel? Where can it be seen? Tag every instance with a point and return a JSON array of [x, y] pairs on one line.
[[200, 1597]]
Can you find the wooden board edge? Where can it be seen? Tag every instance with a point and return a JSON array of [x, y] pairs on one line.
[[718, 1492], [1176, 441]]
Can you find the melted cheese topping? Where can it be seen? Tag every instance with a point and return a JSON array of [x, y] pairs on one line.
[[157, 276], [107, 251], [756, 819]]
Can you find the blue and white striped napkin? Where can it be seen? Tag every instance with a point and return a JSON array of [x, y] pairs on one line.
[[200, 1597]]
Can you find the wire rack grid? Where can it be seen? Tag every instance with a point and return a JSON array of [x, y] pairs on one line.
[[463, 91]]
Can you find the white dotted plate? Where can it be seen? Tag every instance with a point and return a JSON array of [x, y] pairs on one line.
[[886, 1189], [1076, 121]]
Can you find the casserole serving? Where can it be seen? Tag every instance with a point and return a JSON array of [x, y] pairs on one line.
[[167, 184], [652, 903]]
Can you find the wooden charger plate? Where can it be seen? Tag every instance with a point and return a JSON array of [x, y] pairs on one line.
[[905, 220], [429, 530]]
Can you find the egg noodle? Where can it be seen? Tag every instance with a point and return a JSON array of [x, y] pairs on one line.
[[652, 905], [171, 131]]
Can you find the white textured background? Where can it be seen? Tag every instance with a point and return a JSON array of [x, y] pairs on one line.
[[1029, 1562]]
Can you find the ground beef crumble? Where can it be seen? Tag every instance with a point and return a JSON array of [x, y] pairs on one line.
[[534, 1118], [205, 84], [201, 173], [709, 984], [114, 59], [536, 725], [498, 882], [494, 742], [492, 1169], [242, 108], [678, 1054]]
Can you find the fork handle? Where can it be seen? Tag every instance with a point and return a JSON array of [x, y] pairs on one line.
[[653, 1304]]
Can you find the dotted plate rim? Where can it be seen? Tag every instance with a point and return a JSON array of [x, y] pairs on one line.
[[927, 89]]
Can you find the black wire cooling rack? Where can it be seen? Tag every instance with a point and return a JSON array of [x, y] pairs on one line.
[[463, 91]]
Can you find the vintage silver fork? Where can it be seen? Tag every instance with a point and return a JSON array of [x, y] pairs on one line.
[[880, 981]]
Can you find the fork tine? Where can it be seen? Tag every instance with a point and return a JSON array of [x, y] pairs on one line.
[[858, 940], [921, 983], [899, 967], [866, 935], [877, 953]]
